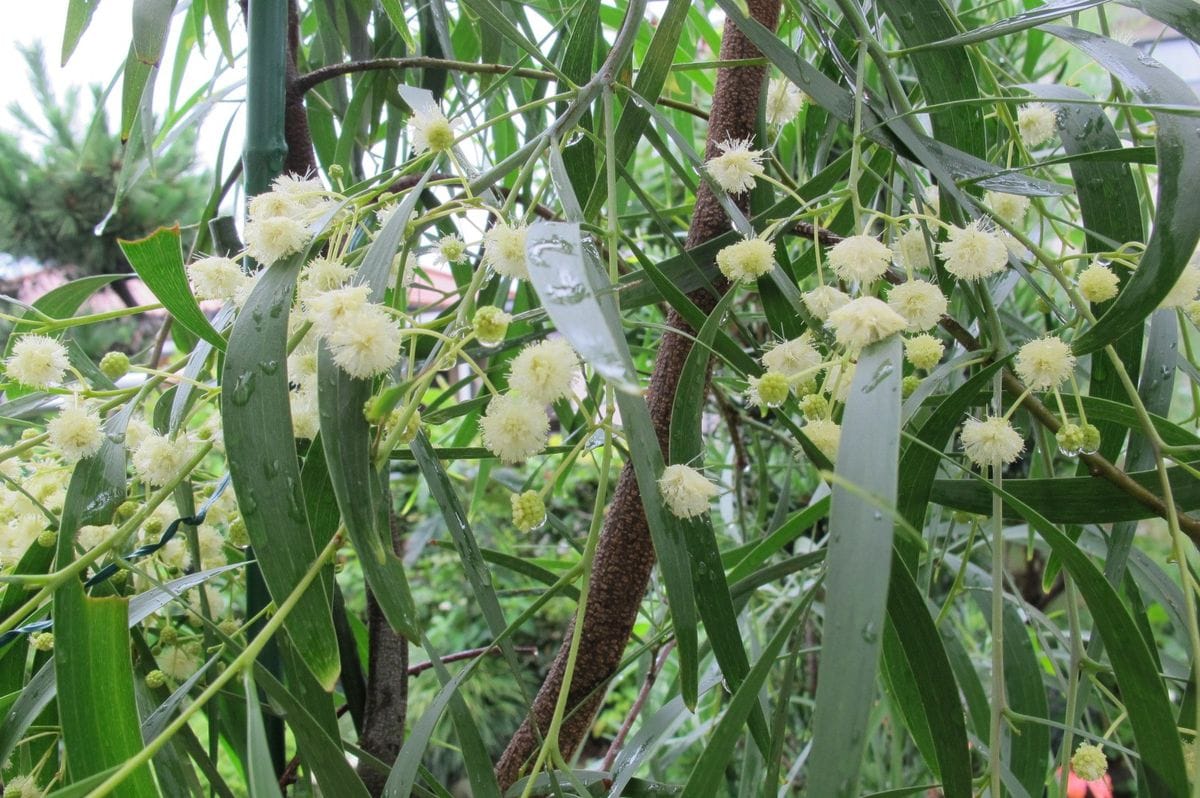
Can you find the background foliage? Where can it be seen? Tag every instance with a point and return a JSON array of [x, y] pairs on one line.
[[349, 607]]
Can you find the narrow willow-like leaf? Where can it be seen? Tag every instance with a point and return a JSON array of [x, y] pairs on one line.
[[361, 492], [1072, 500], [1108, 203], [919, 463], [945, 76], [709, 582], [158, 260], [260, 774], [1014, 24], [478, 576], [96, 706], [707, 774], [260, 445], [151, 21], [858, 569], [651, 77], [322, 752], [1133, 665], [1177, 228], [914, 639], [79, 16], [578, 298]]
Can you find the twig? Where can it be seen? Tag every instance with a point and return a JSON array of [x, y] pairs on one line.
[[470, 653], [618, 742]]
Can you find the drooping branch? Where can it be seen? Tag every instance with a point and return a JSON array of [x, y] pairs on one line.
[[310, 80], [625, 555]]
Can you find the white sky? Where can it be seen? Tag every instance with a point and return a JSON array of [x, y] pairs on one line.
[[98, 57]]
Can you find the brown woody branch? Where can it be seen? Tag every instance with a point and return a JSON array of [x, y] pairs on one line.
[[625, 555], [310, 80]]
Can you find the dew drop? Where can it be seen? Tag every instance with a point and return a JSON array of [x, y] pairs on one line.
[[243, 388]]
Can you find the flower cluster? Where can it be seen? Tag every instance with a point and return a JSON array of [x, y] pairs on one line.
[[282, 221]]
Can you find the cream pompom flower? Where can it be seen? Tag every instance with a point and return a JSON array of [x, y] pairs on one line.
[[792, 358], [826, 435], [305, 190], [504, 250], [514, 427], [972, 253], [1098, 283], [159, 459], [1044, 363], [747, 260], [75, 432], [451, 249], [921, 304], [1010, 208], [38, 361], [23, 786], [991, 442], [306, 421], [368, 344], [910, 251], [860, 257], [823, 300], [784, 102], [271, 204], [1185, 288], [178, 661], [1037, 123], [923, 351], [1089, 762], [863, 322], [431, 130], [686, 491], [216, 278], [324, 274], [268, 240], [544, 371], [331, 310], [737, 167]]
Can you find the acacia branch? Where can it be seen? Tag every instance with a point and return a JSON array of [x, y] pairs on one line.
[[1098, 465], [625, 553], [310, 80]]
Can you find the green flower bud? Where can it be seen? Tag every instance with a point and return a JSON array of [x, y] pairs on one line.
[[153, 525], [528, 510], [490, 325], [125, 511], [168, 635], [1071, 439], [409, 433], [114, 365], [773, 389], [814, 406], [47, 539], [238, 536], [229, 627], [42, 641], [1091, 439], [909, 385], [156, 679]]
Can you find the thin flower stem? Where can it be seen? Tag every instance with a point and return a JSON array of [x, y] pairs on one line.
[[53, 581], [996, 730], [243, 661], [550, 746]]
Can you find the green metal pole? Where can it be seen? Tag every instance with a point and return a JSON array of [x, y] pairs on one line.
[[266, 88], [262, 160]]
